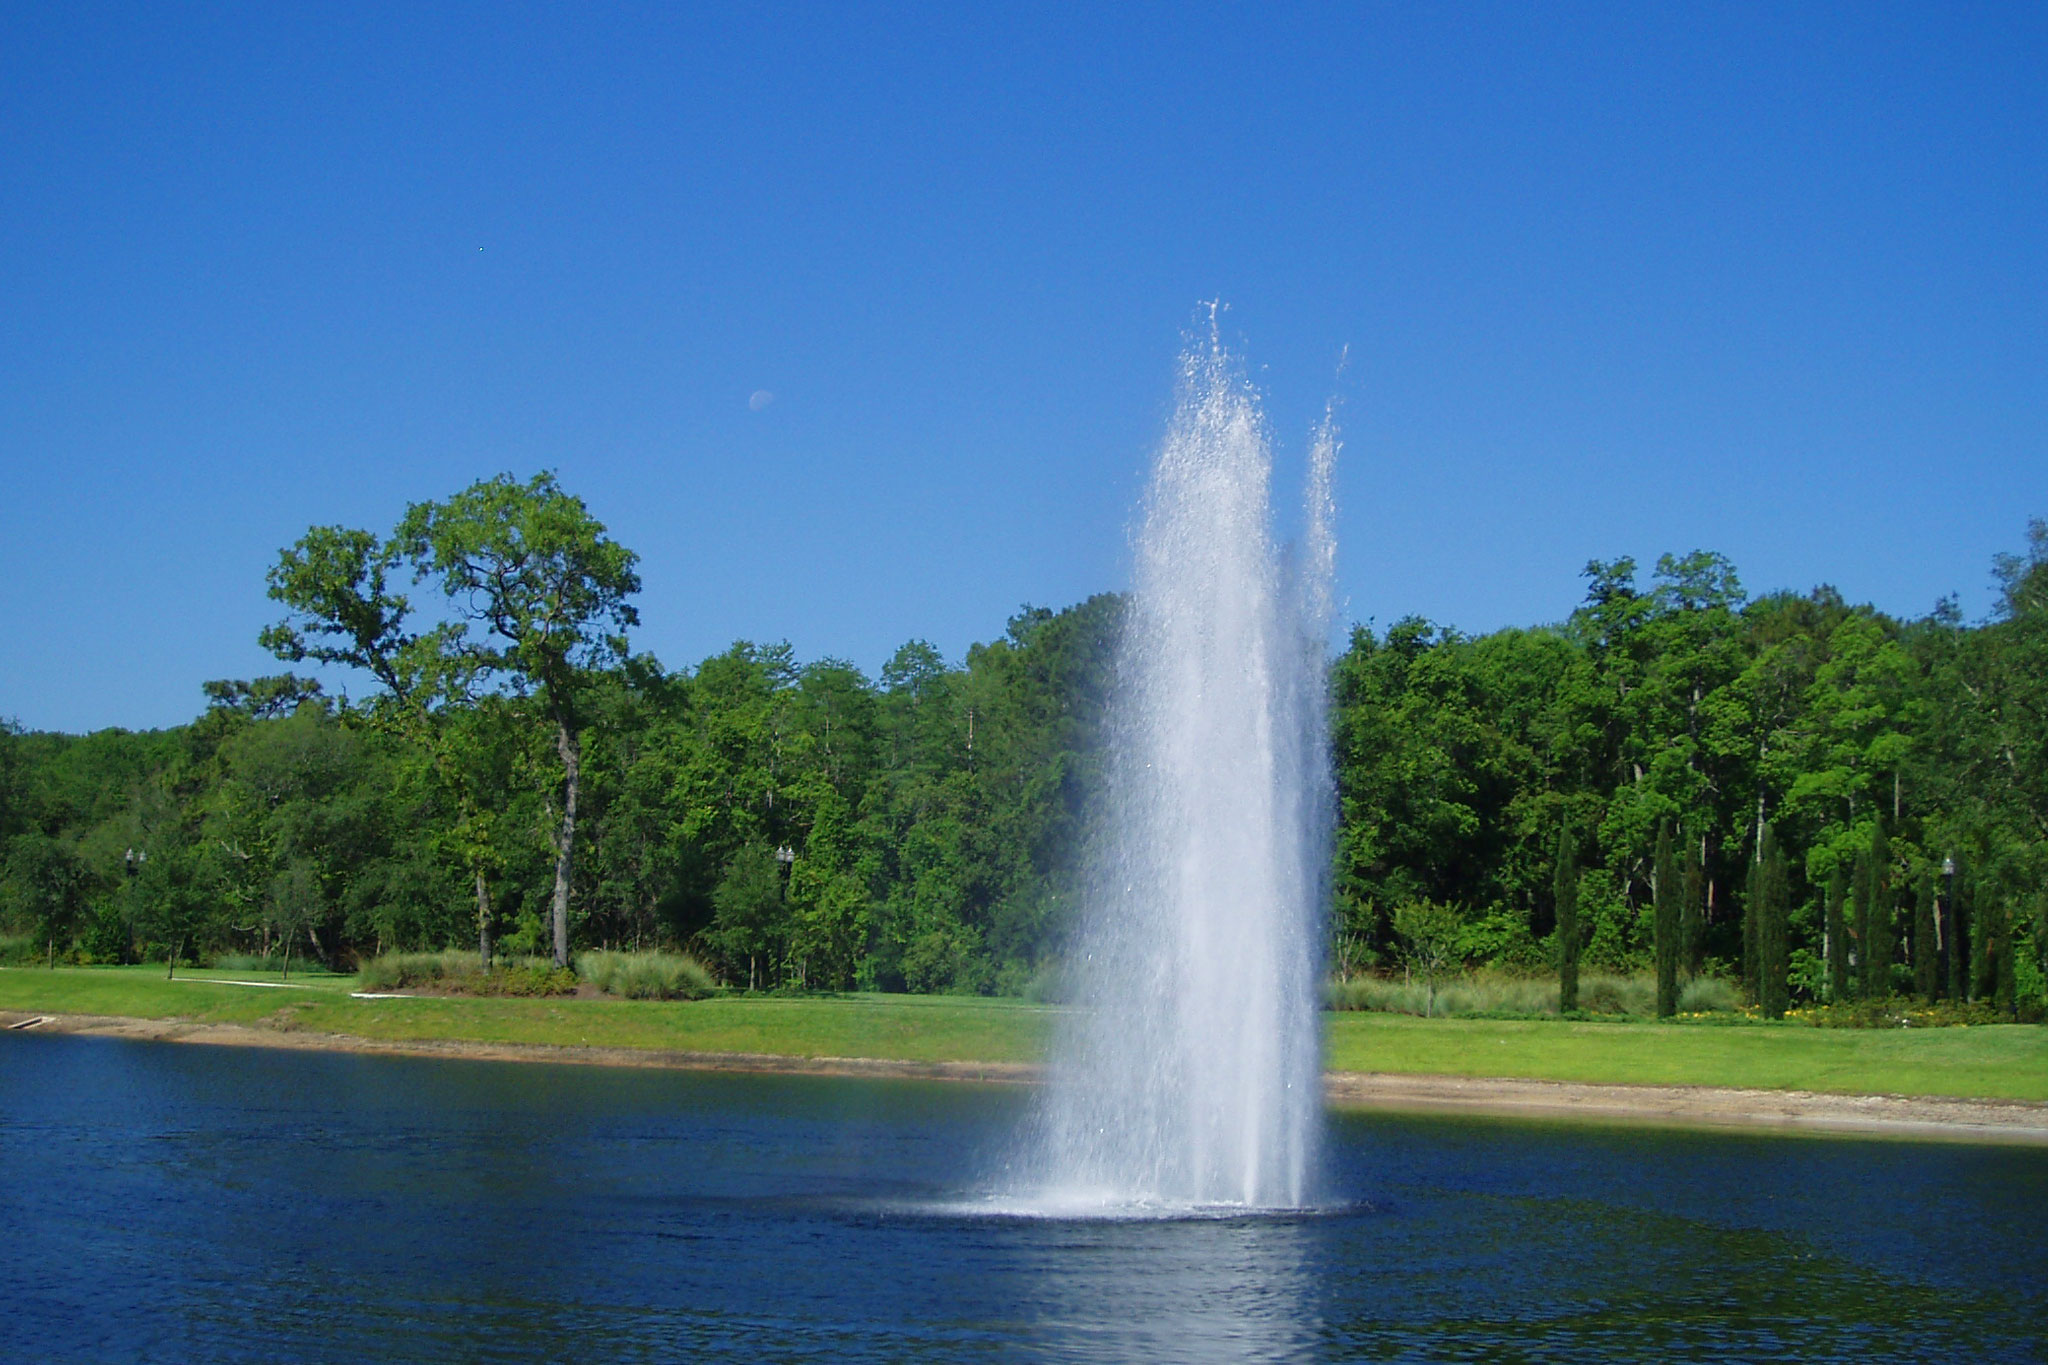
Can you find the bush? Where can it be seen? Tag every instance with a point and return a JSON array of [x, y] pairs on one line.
[[1618, 995], [20, 950], [1474, 993], [1709, 995], [646, 976], [456, 971], [1506, 994], [255, 962]]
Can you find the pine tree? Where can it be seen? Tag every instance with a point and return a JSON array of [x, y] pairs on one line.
[[1877, 933], [1666, 897], [1773, 883], [1567, 891], [1692, 924], [1838, 936], [1926, 957]]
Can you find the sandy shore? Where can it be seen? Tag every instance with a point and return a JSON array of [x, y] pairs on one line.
[[1904, 1116]]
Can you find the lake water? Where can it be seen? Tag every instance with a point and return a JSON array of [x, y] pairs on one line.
[[161, 1202]]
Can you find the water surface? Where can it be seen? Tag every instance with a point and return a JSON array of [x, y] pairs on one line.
[[163, 1202]]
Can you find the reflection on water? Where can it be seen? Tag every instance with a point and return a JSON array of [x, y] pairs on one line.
[[191, 1203]]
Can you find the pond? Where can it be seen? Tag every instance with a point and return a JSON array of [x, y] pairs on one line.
[[167, 1202]]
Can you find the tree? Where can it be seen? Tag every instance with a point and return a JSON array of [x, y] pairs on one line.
[[1959, 932], [1837, 936], [1667, 894], [530, 566], [1429, 941], [1926, 957], [1877, 917], [1691, 915], [1774, 905], [1567, 894], [45, 886], [751, 920]]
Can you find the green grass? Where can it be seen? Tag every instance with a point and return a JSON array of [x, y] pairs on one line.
[[896, 1027], [2000, 1062], [2005, 1062]]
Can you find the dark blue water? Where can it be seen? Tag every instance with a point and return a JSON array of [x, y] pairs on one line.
[[178, 1203]]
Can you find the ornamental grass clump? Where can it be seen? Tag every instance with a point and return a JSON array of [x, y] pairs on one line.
[[457, 971], [1709, 995], [1506, 995], [646, 976]]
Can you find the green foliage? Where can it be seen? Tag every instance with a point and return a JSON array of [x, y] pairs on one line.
[[1429, 935], [1567, 903], [458, 972], [646, 976], [935, 817], [1837, 936], [1773, 928], [1667, 893], [1494, 994]]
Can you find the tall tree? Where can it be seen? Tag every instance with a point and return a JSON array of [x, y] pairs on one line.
[[549, 590], [1773, 928], [1567, 894], [1692, 925], [1667, 894], [1926, 956], [1878, 947], [1838, 937], [1957, 882]]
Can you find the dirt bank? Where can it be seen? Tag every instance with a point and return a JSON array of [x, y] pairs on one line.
[[2004, 1121]]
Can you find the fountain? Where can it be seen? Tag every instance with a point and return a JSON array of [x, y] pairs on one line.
[[1191, 1078]]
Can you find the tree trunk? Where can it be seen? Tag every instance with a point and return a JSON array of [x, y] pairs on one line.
[[570, 747], [483, 919]]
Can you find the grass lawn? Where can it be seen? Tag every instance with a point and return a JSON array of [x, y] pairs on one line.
[[2008, 1062], [1999, 1062]]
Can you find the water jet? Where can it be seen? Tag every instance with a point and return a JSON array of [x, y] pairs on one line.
[[1190, 1077]]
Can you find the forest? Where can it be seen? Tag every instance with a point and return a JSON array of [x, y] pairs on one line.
[[1809, 796]]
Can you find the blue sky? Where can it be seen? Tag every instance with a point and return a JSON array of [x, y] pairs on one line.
[[1614, 280]]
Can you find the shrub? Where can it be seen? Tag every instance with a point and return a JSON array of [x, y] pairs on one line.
[[458, 972], [1506, 994], [646, 976], [256, 962], [1709, 995], [1604, 994]]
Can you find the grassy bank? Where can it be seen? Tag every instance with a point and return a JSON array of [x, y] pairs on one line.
[[2008, 1062]]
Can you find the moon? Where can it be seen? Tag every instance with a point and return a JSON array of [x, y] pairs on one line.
[[759, 399]]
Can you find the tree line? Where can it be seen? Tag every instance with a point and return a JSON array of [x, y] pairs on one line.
[[1821, 799]]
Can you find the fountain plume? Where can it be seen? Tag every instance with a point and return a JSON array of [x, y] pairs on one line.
[[1191, 1077]]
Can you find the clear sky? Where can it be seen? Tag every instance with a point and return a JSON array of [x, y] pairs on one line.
[[1614, 279]]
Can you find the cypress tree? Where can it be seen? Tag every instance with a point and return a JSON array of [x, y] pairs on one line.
[[1838, 936], [1877, 937], [1666, 895], [1859, 919], [1751, 904], [1692, 923], [1996, 957], [1773, 955], [1926, 957], [2007, 999], [1567, 892], [1958, 933]]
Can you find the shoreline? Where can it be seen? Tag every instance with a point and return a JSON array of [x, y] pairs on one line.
[[2009, 1122]]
